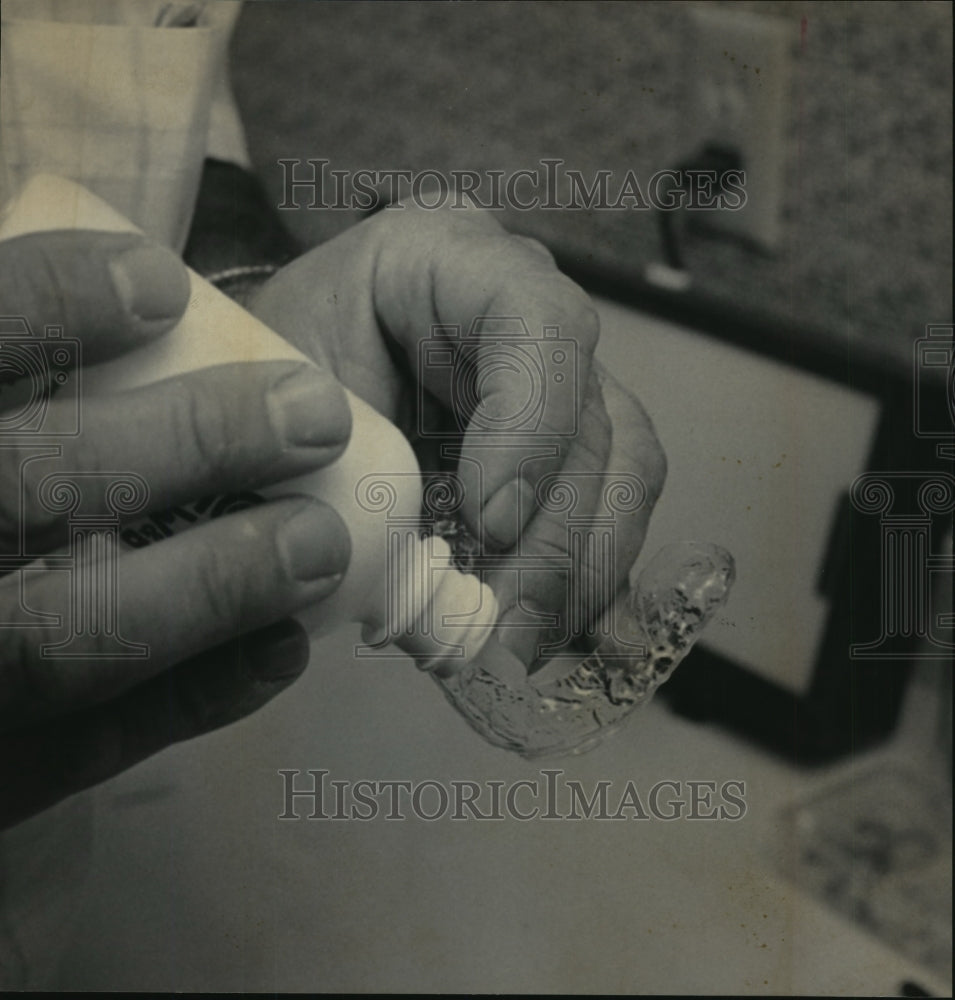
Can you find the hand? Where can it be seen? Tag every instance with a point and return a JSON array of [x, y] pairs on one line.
[[66, 724], [365, 302]]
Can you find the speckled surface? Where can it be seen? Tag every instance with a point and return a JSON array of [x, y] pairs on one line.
[[867, 245]]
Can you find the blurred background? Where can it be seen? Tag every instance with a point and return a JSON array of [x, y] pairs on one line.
[[866, 223]]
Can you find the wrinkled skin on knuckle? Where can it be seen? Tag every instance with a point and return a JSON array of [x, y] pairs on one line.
[[550, 299], [536, 246], [223, 587], [203, 427]]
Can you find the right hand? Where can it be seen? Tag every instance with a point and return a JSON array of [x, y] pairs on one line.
[[66, 724], [368, 301]]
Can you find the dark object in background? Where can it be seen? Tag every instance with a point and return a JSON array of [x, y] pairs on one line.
[[234, 224], [851, 701]]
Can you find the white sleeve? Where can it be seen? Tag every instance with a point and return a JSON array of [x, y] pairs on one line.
[[126, 113], [226, 134]]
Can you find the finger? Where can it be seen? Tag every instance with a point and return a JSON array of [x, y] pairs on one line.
[[632, 484], [537, 591], [223, 429], [635, 455], [527, 378], [322, 303], [512, 351], [537, 247], [109, 291], [45, 764], [613, 477], [172, 600]]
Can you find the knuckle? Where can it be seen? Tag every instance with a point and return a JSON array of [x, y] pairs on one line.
[[650, 461], [201, 421], [581, 315], [635, 439], [536, 247], [222, 588], [462, 214], [561, 301], [594, 411], [656, 472], [237, 573], [548, 539]]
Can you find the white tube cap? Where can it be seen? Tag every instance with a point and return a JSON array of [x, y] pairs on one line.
[[452, 614]]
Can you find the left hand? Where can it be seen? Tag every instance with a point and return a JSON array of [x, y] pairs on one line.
[[209, 608], [364, 303]]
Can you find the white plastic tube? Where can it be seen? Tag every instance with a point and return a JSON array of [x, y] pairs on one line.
[[401, 587]]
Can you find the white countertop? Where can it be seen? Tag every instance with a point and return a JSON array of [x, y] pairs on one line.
[[193, 882]]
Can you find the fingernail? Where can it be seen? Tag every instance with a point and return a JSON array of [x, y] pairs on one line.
[[151, 281], [315, 546], [521, 630], [279, 652], [308, 408], [506, 513]]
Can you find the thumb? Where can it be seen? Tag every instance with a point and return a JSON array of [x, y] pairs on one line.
[[111, 291]]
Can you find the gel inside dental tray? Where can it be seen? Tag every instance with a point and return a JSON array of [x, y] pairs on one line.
[[558, 713]]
